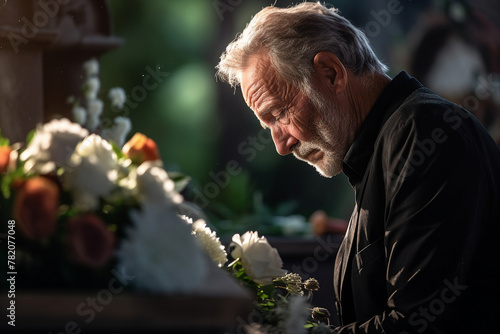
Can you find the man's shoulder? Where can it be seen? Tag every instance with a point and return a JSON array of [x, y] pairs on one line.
[[425, 116], [423, 112], [425, 108]]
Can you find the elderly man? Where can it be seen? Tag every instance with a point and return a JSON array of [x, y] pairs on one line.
[[420, 253]]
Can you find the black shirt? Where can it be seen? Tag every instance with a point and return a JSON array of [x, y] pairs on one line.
[[420, 254]]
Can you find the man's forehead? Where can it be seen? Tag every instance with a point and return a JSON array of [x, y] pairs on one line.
[[254, 75], [260, 78], [256, 68]]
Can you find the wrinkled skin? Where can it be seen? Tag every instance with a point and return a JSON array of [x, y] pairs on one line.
[[318, 137]]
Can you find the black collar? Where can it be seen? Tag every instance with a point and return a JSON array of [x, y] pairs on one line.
[[359, 154]]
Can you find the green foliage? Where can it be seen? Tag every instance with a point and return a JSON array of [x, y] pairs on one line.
[[8, 179], [257, 217], [117, 150], [310, 325], [238, 271], [3, 141], [30, 136], [271, 301], [180, 180], [267, 297]]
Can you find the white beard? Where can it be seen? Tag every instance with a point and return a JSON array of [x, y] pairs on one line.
[[334, 131]]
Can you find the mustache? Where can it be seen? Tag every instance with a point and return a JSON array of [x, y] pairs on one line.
[[302, 149]]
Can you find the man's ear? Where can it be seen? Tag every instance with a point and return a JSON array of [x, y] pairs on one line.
[[330, 72]]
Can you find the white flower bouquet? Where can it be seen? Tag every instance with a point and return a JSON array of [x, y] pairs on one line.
[[83, 205], [281, 299]]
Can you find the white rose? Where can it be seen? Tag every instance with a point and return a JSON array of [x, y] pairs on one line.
[[52, 145], [261, 262], [154, 185], [93, 171]]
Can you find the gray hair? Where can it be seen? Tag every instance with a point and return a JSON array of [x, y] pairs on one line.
[[292, 37]]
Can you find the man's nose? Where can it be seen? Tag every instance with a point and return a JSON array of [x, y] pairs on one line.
[[283, 141]]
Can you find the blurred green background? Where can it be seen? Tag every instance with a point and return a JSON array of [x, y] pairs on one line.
[[201, 125]]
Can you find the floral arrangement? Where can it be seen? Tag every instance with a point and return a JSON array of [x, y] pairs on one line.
[[282, 300], [87, 204]]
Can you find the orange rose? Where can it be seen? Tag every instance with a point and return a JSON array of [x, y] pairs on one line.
[[141, 148], [35, 208], [90, 242], [4, 158]]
